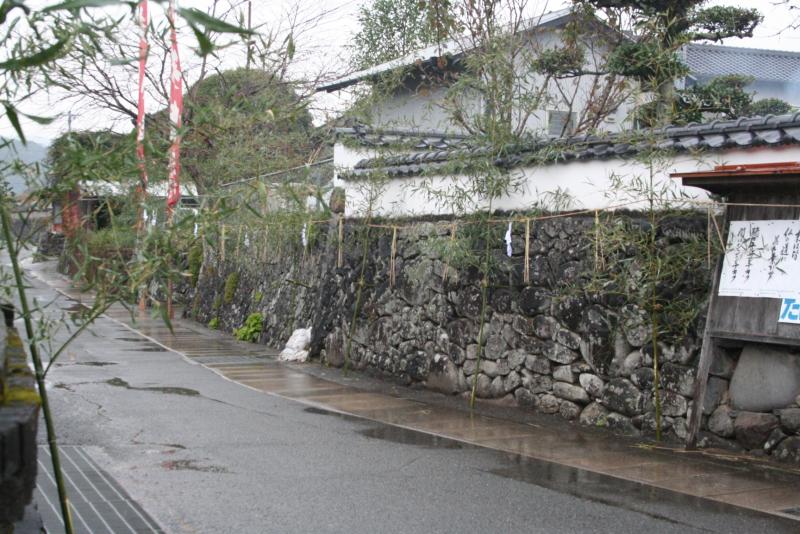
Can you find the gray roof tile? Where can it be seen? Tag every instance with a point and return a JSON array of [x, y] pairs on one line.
[[744, 132]]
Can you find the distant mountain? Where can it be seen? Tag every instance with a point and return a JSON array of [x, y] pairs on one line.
[[31, 153]]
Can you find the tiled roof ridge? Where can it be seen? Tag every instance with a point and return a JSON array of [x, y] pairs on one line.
[[364, 130], [717, 134]]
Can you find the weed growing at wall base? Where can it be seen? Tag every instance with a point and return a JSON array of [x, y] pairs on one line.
[[251, 330]]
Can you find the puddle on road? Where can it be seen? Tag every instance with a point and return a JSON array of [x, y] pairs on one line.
[[191, 465], [410, 437], [90, 364], [395, 434], [611, 491], [169, 390]]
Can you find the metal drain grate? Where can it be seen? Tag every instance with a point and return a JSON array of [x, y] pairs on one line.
[[99, 504]]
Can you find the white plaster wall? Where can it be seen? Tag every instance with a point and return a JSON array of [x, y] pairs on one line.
[[588, 184], [419, 110]]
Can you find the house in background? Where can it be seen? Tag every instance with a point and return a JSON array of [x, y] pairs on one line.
[[416, 103], [412, 142], [87, 205], [775, 73]]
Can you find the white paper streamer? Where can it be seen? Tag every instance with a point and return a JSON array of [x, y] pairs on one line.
[[509, 251], [195, 229], [304, 235], [246, 240], [144, 217]]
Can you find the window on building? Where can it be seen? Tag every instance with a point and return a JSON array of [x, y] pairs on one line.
[[560, 123]]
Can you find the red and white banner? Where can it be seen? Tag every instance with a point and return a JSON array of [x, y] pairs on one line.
[[175, 113], [143, 21]]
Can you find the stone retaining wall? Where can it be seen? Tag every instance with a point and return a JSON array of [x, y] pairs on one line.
[[551, 344]]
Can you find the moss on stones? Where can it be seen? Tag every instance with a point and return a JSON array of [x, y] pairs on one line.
[[231, 284]]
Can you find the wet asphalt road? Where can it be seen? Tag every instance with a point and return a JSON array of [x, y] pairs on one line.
[[203, 454]]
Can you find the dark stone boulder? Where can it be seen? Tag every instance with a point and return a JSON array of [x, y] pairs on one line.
[[569, 311], [678, 378], [534, 300], [544, 327], [502, 300], [418, 365], [462, 332], [721, 422], [790, 419], [788, 450], [774, 439], [753, 428], [445, 377], [525, 398], [620, 395]]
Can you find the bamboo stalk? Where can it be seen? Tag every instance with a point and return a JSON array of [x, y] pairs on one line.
[[708, 238], [393, 260], [359, 292], [222, 244], [484, 304], [719, 232], [37, 364], [447, 263], [238, 242], [340, 255], [526, 273], [596, 239]]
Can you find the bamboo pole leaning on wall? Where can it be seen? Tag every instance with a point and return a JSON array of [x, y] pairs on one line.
[[393, 259], [340, 252], [526, 273]]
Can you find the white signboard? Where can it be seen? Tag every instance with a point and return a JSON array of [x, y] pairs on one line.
[[790, 311], [762, 259]]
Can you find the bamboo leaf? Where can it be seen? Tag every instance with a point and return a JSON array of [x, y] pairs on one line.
[[13, 118], [80, 4], [205, 44], [290, 48], [39, 58], [38, 119], [195, 17]]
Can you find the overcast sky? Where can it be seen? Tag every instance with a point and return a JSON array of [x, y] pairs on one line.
[[324, 47]]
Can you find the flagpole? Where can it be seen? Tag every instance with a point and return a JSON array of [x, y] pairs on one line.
[[175, 112], [141, 190]]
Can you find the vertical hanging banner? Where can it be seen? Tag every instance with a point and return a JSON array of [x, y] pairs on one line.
[[143, 47], [175, 113]]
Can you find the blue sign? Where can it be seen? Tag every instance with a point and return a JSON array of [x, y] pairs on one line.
[[790, 311]]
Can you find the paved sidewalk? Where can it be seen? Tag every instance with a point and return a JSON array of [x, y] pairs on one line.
[[764, 488]]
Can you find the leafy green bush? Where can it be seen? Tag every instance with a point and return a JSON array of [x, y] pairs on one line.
[[213, 324], [231, 284], [251, 330], [195, 262], [110, 242]]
